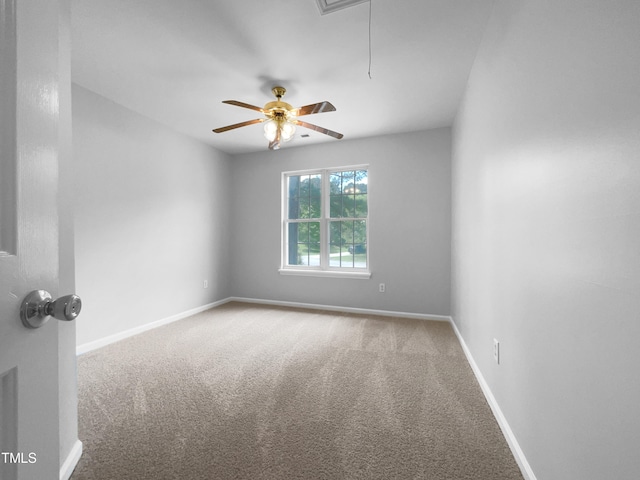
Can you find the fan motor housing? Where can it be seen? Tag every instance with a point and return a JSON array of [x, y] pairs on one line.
[[278, 105]]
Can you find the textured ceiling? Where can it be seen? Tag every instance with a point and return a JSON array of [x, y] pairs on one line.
[[175, 62]]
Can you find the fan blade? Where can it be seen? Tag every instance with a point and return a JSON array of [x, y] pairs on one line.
[[318, 129], [315, 108], [238, 125], [244, 105]]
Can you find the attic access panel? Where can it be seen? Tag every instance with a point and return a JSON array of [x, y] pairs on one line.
[[329, 6]]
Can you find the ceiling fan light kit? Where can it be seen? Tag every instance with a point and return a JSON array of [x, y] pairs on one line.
[[281, 118]]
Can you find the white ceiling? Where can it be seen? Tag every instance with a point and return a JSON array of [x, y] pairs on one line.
[[176, 61]]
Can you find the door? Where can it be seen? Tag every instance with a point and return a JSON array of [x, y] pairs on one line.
[[29, 424]]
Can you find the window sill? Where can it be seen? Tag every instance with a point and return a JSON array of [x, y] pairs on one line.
[[324, 273]]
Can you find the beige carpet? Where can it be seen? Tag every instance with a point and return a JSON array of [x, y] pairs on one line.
[[253, 392]]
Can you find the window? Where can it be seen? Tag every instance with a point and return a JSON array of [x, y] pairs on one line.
[[325, 222]]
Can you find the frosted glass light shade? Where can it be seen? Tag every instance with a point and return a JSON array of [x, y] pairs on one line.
[[287, 131], [270, 130]]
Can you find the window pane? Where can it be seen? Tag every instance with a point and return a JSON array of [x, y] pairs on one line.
[[335, 203], [315, 207], [315, 184], [293, 197], [335, 183], [361, 208], [304, 243], [314, 232], [304, 207], [304, 186], [348, 244], [348, 185], [348, 194], [293, 186], [360, 232], [348, 206], [314, 254], [362, 180], [292, 246], [303, 232], [335, 241], [303, 200]]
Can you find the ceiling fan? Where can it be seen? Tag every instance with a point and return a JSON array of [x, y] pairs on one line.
[[281, 118]]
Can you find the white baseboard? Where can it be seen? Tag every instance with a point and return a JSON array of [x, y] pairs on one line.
[[365, 311], [87, 347], [71, 461], [525, 468]]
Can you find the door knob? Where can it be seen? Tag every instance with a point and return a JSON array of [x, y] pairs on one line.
[[37, 308]]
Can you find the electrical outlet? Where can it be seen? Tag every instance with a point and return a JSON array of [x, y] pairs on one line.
[[382, 288], [205, 284], [496, 351]]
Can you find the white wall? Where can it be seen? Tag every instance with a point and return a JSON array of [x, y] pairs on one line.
[[546, 230], [409, 205], [151, 218]]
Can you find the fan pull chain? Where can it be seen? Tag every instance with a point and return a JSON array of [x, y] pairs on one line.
[[370, 1]]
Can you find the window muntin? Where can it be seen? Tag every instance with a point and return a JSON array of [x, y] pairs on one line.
[[325, 220]]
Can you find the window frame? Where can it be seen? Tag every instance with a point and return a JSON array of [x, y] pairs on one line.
[[324, 269]]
